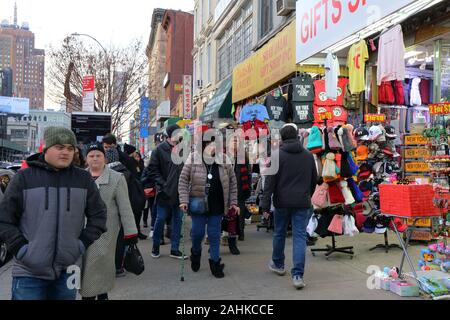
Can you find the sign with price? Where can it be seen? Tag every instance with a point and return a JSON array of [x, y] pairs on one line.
[[373, 117], [439, 108], [415, 140], [417, 153], [325, 115], [416, 167]]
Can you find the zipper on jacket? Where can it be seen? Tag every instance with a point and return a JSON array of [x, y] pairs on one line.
[[46, 198], [68, 199], [57, 225]]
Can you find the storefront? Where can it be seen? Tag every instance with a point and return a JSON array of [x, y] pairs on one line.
[[219, 107]]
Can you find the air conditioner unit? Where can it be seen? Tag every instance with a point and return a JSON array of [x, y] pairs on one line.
[[284, 7], [199, 84]]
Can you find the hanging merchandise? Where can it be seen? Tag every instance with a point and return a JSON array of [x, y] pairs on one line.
[[351, 136], [302, 88], [278, 110], [332, 73], [353, 101], [362, 153], [320, 198], [386, 93], [407, 91], [424, 89], [416, 99], [330, 168], [333, 140], [347, 145], [391, 56], [357, 57], [312, 226], [252, 112], [321, 98], [356, 192], [350, 228], [399, 93], [336, 225], [352, 164], [339, 114], [349, 199], [302, 113], [315, 140]]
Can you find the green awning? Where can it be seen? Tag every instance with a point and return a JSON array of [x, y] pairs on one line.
[[220, 105], [171, 121]]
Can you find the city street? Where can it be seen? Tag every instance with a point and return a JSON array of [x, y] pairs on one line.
[[247, 275]]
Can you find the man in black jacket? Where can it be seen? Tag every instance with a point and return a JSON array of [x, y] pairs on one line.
[[292, 188], [164, 174], [42, 220], [110, 141]]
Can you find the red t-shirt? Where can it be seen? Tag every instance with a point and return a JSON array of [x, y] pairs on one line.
[[321, 99]]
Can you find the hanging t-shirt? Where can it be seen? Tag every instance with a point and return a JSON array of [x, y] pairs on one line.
[[339, 114], [302, 112], [302, 89], [332, 73], [425, 91], [391, 56], [321, 98], [416, 99], [277, 108], [253, 112], [407, 90], [357, 57]]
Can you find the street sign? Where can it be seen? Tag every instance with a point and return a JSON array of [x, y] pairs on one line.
[[187, 97], [88, 93]]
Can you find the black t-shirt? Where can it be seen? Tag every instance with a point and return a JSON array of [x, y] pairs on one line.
[[215, 194], [302, 89], [277, 108], [302, 112]]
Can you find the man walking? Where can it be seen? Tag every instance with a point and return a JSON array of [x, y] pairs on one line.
[[42, 220], [292, 188], [164, 174]]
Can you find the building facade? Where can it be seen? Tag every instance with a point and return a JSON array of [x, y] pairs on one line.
[[27, 63], [226, 33]]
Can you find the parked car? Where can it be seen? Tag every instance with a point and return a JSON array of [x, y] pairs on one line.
[[5, 178]]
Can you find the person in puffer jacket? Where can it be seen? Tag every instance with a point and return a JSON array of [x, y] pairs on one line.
[[51, 213]]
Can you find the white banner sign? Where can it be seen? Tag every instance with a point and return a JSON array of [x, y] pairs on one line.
[[88, 93], [187, 97], [323, 23], [14, 105]]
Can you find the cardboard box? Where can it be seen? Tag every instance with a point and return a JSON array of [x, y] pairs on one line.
[[385, 283], [404, 289]]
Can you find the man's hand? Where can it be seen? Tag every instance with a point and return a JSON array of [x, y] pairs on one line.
[[184, 207], [237, 209], [266, 214]]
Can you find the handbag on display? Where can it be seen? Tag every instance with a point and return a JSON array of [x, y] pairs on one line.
[[320, 198], [336, 225], [133, 261]]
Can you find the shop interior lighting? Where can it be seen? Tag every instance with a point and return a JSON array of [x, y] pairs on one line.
[[412, 54], [385, 23]]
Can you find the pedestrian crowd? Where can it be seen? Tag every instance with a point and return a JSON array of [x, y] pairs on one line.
[[71, 207]]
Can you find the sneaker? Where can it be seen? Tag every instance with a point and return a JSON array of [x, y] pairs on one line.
[[155, 253], [151, 234], [298, 282], [177, 255], [274, 268], [121, 273]]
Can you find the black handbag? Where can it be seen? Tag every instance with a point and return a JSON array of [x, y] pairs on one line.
[[134, 262]]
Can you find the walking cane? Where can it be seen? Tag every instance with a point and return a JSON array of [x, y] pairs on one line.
[[182, 245]]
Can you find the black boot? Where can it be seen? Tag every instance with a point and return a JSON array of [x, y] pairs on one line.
[[232, 245], [217, 268], [195, 261]]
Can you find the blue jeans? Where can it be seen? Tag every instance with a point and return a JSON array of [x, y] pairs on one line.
[[214, 223], [161, 216], [300, 218], [26, 288]]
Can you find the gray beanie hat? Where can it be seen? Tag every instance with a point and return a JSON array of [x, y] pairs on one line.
[[58, 135]]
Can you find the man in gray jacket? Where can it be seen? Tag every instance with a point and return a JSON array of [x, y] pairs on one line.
[[51, 213]]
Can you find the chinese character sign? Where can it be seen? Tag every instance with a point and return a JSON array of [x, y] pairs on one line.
[[187, 96], [373, 117], [145, 105]]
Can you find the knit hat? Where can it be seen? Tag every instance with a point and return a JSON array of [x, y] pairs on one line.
[[112, 155], [345, 140], [129, 149], [356, 192], [336, 196], [314, 139], [58, 135], [95, 147], [171, 129], [349, 199], [333, 140]]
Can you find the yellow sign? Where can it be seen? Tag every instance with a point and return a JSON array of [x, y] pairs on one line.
[[439, 108], [417, 153], [178, 87], [325, 115], [273, 62], [416, 140], [420, 222], [371, 117], [416, 167]]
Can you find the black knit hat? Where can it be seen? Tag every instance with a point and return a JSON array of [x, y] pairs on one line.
[[95, 147], [128, 149], [171, 129]]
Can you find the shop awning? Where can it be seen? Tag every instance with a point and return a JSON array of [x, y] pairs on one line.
[[220, 104], [171, 121]]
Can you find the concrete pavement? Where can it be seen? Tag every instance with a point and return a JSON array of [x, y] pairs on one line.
[[247, 275]]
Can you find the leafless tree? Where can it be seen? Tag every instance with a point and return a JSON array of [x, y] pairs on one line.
[[119, 73]]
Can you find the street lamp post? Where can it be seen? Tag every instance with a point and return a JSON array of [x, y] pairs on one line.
[[107, 60]]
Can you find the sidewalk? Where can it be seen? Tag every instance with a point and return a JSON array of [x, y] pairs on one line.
[[247, 275]]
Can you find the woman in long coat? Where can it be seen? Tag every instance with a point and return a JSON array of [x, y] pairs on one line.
[[99, 270]]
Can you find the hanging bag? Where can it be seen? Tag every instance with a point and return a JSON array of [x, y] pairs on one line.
[[320, 197], [336, 225], [134, 262]]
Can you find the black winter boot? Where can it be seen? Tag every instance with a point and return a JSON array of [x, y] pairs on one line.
[[217, 268], [195, 261], [233, 247]]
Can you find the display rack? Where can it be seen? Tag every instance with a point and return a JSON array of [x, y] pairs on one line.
[[386, 246], [333, 249]]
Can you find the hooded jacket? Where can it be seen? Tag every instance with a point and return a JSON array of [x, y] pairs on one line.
[[295, 182], [10, 174], [52, 216]]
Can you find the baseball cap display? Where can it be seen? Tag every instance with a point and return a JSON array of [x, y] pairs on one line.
[[375, 132], [382, 224], [374, 149], [390, 132], [362, 152], [362, 134]]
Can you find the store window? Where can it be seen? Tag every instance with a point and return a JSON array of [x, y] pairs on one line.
[[208, 62], [266, 17]]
